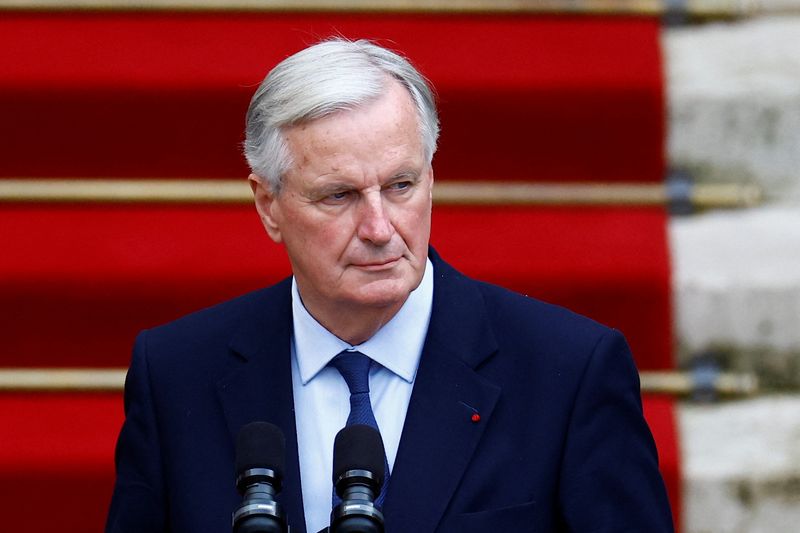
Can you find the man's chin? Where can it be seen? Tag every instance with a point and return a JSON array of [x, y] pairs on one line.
[[382, 294]]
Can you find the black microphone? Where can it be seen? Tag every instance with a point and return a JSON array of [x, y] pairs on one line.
[[260, 452], [358, 470]]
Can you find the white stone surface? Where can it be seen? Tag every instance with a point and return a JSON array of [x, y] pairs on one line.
[[733, 94], [736, 278], [734, 115], [741, 466], [769, 6]]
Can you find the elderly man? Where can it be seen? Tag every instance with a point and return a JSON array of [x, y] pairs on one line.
[[498, 412]]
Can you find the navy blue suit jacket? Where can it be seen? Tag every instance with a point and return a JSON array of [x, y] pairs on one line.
[[561, 444]]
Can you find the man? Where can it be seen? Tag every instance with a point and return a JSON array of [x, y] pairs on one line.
[[497, 411]]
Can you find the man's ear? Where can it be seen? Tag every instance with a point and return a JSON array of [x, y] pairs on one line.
[[431, 191], [265, 205]]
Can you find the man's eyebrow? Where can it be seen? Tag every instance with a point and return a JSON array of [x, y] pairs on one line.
[[336, 185], [404, 174]]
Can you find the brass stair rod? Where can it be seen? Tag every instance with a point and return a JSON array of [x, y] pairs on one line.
[[691, 8], [724, 384], [113, 379], [62, 379], [445, 192]]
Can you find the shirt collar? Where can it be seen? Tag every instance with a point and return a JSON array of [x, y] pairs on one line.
[[397, 346]]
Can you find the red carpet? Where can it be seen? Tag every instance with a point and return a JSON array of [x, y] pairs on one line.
[[57, 454], [57, 461], [82, 281], [163, 95], [522, 97]]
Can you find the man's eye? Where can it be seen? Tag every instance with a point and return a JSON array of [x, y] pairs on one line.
[[337, 197], [400, 185]]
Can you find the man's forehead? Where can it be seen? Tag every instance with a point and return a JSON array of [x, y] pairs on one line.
[[348, 106], [390, 116]]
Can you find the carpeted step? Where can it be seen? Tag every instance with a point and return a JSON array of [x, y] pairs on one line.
[[56, 461], [163, 94], [78, 282]]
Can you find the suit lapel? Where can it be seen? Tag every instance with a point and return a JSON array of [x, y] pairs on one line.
[[440, 433], [260, 386]]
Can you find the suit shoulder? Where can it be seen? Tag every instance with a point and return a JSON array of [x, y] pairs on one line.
[[546, 343], [216, 324], [526, 317]]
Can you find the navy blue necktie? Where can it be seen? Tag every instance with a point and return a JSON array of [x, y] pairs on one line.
[[354, 368]]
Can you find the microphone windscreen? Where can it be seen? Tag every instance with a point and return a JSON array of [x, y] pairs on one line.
[[260, 445], [358, 447]]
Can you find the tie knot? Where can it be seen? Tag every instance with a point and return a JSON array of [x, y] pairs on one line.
[[354, 368]]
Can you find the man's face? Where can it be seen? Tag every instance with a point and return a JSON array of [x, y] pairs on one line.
[[354, 211]]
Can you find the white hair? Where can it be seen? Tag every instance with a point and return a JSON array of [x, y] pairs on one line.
[[330, 76]]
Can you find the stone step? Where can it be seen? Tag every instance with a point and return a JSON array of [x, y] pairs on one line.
[[734, 102], [741, 466], [736, 284]]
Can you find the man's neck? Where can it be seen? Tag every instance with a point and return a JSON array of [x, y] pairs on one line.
[[353, 324]]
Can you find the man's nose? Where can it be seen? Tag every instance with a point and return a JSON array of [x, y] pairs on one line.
[[374, 224]]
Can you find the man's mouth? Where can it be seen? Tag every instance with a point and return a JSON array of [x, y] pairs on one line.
[[376, 266]]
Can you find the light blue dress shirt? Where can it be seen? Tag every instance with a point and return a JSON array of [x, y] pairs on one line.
[[322, 399]]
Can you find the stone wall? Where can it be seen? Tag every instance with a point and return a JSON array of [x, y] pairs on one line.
[[734, 116]]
